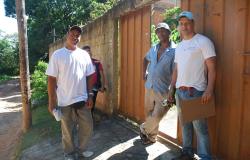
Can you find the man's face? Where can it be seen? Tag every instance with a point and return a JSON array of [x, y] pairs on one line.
[[73, 37], [162, 34], [186, 26]]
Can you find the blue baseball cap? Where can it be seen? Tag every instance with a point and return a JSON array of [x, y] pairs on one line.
[[186, 14]]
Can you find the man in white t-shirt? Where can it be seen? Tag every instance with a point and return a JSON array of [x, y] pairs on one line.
[[194, 76], [70, 85]]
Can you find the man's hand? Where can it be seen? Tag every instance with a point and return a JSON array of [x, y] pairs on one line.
[[102, 89], [211, 67], [171, 98], [52, 93], [90, 102], [207, 96], [144, 76], [170, 95], [172, 88], [144, 68], [51, 108]]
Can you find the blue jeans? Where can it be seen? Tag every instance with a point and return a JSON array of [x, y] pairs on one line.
[[200, 127]]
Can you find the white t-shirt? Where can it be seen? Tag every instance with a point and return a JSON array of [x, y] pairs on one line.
[[190, 56], [70, 69]]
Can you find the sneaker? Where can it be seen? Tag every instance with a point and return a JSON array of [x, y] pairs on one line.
[[87, 154], [69, 157], [183, 156], [143, 136], [147, 141]]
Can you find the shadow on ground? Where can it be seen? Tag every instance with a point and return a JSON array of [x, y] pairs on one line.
[[112, 140]]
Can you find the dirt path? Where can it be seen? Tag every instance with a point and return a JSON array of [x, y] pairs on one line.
[[10, 118]]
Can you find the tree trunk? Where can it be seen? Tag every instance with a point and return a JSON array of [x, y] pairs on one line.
[[24, 64]]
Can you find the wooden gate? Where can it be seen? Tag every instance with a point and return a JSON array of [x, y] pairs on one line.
[[135, 42], [244, 51], [227, 23]]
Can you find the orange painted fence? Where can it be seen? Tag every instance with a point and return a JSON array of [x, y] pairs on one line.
[[135, 42], [227, 24]]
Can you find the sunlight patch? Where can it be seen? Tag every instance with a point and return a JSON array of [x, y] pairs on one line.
[[117, 149]]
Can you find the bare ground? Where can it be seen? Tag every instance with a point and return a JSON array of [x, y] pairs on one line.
[[10, 118]]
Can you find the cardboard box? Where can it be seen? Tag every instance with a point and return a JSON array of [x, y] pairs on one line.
[[193, 109]]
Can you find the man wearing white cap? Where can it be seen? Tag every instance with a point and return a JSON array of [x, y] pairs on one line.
[[194, 76], [159, 63]]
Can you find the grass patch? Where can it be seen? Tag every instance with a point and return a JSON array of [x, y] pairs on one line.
[[4, 78], [44, 127]]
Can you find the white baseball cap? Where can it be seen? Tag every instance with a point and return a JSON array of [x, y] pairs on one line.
[[163, 25]]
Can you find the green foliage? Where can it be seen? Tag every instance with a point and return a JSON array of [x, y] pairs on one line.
[[9, 57], [44, 16], [39, 83], [4, 78], [171, 19], [154, 38], [175, 36], [100, 7]]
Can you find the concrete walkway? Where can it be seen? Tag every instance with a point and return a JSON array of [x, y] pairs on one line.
[[113, 139]]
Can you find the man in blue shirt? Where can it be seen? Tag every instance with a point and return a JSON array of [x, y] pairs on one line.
[[157, 71]]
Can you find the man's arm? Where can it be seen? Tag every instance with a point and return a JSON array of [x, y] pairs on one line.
[[144, 68], [90, 84], [172, 84], [52, 93], [103, 80], [211, 68]]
